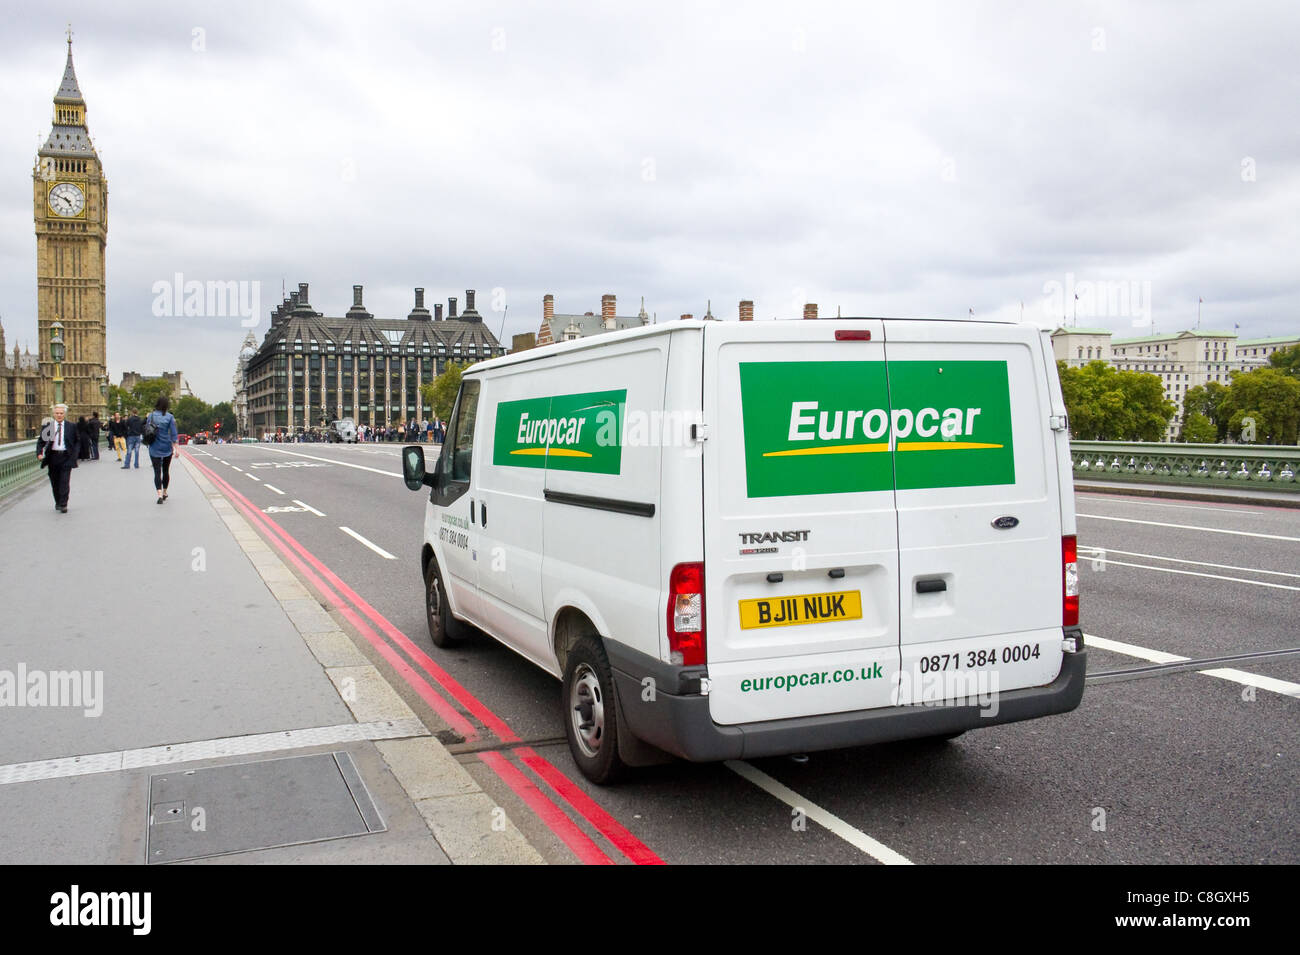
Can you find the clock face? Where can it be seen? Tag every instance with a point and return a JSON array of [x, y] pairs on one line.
[[66, 199]]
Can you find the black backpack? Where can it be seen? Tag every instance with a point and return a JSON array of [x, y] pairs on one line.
[[150, 430]]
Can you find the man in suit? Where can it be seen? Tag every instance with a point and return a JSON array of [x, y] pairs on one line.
[[56, 449]]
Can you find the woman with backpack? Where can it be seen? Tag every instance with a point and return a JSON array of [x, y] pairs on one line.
[[162, 426]]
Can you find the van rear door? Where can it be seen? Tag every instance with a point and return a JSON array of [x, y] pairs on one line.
[[801, 546], [979, 523]]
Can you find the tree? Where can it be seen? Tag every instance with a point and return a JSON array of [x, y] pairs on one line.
[[1198, 429], [225, 413], [1286, 360], [1263, 406], [1207, 400], [146, 394], [1109, 405], [192, 415], [442, 393]]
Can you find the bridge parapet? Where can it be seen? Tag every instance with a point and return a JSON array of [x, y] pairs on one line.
[[1189, 465]]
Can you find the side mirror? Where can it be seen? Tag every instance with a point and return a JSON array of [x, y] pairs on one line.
[[413, 472]]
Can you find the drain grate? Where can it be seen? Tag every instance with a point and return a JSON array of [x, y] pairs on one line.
[[290, 801]]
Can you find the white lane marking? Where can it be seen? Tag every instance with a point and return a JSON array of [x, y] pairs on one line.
[[208, 749], [254, 477], [378, 550], [830, 821], [272, 487], [1159, 656], [308, 507], [1254, 679], [342, 464], [1117, 499], [239, 469], [1196, 573], [1090, 553], [1191, 527]]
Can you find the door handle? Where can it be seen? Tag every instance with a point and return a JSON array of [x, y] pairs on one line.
[[931, 586], [482, 513], [471, 510]]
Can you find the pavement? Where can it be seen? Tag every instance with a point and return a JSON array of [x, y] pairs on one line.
[[170, 691]]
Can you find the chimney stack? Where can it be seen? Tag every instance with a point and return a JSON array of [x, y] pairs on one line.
[[357, 310], [451, 308], [437, 312], [746, 311], [469, 300], [687, 317], [470, 314], [356, 297], [810, 311], [607, 311], [419, 312], [548, 307]]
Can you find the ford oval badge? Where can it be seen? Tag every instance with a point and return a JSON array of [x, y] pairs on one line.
[[1006, 523]]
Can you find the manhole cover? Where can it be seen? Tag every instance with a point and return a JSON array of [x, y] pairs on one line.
[[197, 813]]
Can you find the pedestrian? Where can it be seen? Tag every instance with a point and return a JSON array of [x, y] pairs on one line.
[[57, 449], [95, 427], [83, 439], [160, 451], [117, 431], [134, 433]]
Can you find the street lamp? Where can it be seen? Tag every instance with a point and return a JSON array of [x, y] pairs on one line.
[[56, 354]]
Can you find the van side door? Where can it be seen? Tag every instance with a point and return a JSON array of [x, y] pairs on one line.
[[452, 523]]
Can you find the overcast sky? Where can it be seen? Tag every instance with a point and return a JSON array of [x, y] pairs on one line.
[[882, 159]]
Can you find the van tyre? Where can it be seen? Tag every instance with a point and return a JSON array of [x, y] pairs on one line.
[[444, 629], [591, 712]]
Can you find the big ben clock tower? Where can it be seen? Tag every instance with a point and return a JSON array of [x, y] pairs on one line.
[[70, 196]]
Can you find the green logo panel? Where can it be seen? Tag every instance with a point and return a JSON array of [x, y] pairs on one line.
[[830, 427], [580, 432]]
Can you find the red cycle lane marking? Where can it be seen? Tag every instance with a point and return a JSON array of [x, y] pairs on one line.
[[450, 715], [547, 811], [611, 828], [627, 843]]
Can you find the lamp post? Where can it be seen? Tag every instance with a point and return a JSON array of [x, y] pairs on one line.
[[56, 354]]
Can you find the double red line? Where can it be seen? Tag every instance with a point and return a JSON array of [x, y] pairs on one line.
[[344, 599]]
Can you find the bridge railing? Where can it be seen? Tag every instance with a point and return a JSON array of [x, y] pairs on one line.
[[1274, 467], [18, 466]]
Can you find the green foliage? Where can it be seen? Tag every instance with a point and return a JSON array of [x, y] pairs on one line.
[[146, 394], [442, 394], [1286, 360], [191, 414], [225, 413], [1198, 429], [1109, 405], [1263, 406], [1207, 400]]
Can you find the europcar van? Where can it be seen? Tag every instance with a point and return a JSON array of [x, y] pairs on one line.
[[742, 539]]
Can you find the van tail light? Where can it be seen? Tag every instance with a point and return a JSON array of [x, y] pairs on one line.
[[1070, 563], [686, 644], [852, 335]]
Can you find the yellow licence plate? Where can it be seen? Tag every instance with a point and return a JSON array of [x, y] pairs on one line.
[[801, 609]]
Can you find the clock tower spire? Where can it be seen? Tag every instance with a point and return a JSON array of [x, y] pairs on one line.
[[70, 208]]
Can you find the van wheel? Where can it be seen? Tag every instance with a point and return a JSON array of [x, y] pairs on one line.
[[591, 712], [444, 629]]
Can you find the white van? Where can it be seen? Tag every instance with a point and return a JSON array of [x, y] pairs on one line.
[[745, 539]]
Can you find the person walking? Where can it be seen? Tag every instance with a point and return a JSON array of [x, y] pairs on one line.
[[117, 432], [57, 449], [134, 433], [95, 426], [83, 439], [160, 451]]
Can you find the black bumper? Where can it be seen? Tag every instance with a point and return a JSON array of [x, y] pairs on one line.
[[678, 721]]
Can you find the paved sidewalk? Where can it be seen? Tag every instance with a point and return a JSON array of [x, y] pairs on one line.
[[188, 644]]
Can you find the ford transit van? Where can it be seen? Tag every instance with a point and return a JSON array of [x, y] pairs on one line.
[[740, 539]]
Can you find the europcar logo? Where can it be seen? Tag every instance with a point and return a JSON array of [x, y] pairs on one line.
[[834, 427], [579, 432]]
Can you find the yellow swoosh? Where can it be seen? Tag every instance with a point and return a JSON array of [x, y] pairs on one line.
[[942, 445], [558, 452]]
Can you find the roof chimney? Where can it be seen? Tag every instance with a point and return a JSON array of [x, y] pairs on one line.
[[451, 308], [810, 311], [419, 312], [687, 317], [470, 314], [437, 312], [548, 307], [356, 296], [357, 310], [746, 310], [607, 304]]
